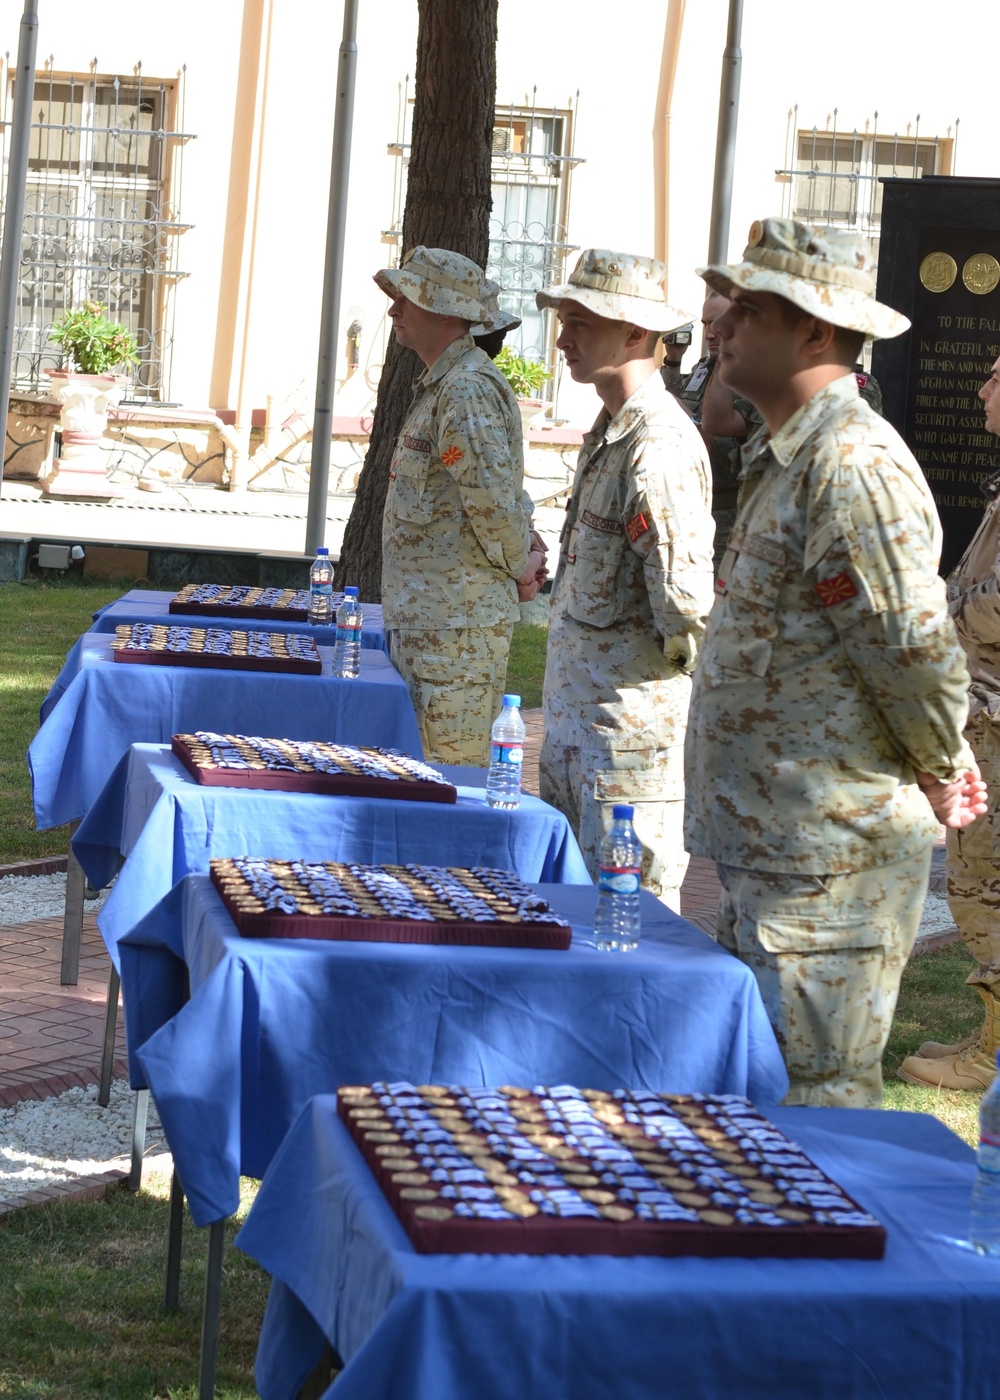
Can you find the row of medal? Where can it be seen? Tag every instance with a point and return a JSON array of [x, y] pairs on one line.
[[214, 641], [243, 596], [242, 752], [411, 892], [634, 1155]]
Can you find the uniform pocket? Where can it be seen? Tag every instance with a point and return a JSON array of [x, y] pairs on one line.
[[594, 588], [751, 578], [410, 499], [783, 937]]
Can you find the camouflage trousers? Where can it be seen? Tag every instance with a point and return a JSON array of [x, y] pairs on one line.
[[827, 953], [974, 863], [456, 678], [586, 782]]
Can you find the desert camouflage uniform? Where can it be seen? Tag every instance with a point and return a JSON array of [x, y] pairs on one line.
[[454, 540], [723, 455], [627, 614], [830, 671], [974, 853]]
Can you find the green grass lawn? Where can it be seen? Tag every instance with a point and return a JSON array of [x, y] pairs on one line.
[[526, 667], [39, 622], [81, 1303]]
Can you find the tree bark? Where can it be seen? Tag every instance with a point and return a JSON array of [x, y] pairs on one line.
[[448, 205]]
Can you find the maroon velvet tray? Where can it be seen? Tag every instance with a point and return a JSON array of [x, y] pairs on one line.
[[542, 1234], [147, 656], [179, 606], [341, 928], [342, 785]]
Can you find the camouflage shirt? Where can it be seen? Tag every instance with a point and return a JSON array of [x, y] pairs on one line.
[[974, 603], [454, 533], [830, 668], [634, 580], [724, 454]]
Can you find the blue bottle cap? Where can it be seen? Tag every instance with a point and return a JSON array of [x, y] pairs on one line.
[[514, 700], [623, 813], [350, 591], [322, 549]]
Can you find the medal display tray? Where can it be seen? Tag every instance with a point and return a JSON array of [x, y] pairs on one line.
[[221, 599], [162, 644], [567, 1171], [385, 904], [284, 765]]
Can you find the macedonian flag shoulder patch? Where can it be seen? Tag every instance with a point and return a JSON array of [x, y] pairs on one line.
[[838, 588], [451, 455]]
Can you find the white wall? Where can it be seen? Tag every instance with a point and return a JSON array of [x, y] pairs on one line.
[[885, 56]]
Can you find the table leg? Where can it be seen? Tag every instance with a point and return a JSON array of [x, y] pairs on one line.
[[175, 1226], [140, 1109], [320, 1378], [76, 882], [210, 1311], [110, 1031]]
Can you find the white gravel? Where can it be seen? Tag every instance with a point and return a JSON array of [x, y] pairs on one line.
[[48, 1141], [24, 897]]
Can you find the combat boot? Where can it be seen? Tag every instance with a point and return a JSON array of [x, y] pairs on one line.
[[934, 1050], [973, 1067]]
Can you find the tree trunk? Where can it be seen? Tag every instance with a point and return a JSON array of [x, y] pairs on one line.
[[447, 206]]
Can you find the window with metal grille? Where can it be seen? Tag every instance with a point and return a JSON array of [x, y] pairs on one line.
[[533, 161], [532, 165], [101, 218], [834, 177]]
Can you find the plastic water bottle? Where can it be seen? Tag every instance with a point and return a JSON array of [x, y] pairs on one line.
[[347, 647], [321, 589], [503, 781], [985, 1230], [616, 922]]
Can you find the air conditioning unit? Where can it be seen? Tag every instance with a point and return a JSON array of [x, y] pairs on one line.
[[503, 140]]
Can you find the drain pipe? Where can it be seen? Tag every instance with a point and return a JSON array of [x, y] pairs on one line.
[[662, 122]]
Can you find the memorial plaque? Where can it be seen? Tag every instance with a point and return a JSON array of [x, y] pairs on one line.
[[938, 264]]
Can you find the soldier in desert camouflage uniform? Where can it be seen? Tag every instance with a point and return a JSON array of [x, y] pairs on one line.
[[825, 739], [724, 419], [455, 555], [633, 585], [974, 854]]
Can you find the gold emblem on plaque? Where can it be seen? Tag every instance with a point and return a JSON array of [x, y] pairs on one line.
[[981, 273], [938, 271]]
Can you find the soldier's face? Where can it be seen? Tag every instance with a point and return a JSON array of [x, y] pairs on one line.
[[714, 306], [990, 395], [591, 345], [414, 325], [758, 345]]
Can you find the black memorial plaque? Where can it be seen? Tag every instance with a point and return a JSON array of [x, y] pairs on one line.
[[939, 263]]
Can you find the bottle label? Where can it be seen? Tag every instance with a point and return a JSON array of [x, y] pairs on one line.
[[504, 752], [988, 1156], [620, 879], [321, 590], [347, 633]]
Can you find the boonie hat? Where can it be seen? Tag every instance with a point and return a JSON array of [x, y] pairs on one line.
[[620, 287], [829, 273], [440, 281], [495, 318]]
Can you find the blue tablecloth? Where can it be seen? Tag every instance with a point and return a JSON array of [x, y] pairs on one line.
[[272, 1022], [108, 707], [169, 826], [918, 1325], [152, 605]]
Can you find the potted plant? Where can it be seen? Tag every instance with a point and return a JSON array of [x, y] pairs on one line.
[[96, 348], [525, 378]]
